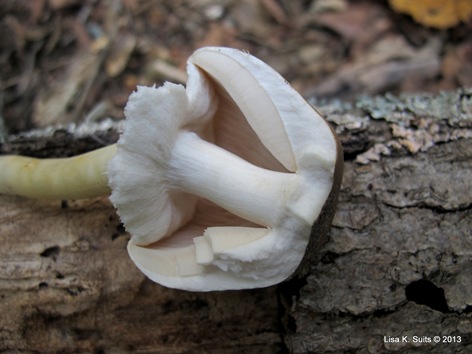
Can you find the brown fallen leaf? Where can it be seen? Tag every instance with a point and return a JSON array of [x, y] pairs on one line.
[[163, 71], [60, 4], [253, 19], [120, 52], [219, 34], [276, 11], [359, 24], [457, 65], [390, 62], [64, 101]]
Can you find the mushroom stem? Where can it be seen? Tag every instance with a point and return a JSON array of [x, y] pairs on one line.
[[78, 177], [248, 191]]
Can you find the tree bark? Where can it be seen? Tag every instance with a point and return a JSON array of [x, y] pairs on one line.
[[398, 262]]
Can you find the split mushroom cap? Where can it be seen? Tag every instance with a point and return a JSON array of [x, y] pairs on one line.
[[220, 183]]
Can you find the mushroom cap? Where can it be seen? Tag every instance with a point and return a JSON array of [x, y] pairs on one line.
[[264, 165]]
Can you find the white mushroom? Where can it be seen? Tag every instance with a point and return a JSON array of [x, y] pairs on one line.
[[222, 183]]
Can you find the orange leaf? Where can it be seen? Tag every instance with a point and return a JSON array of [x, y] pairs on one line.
[[435, 13]]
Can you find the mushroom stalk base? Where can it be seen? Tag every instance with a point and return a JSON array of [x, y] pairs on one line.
[[78, 177], [248, 191]]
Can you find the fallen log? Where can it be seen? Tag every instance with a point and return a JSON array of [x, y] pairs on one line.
[[395, 274]]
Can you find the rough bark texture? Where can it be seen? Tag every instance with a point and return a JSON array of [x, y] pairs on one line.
[[398, 262], [399, 259]]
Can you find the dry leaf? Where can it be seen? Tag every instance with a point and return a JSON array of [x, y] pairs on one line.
[[165, 71], [387, 64], [120, 52], [60, 4], [63, 102], [251, 18], [435, 13]]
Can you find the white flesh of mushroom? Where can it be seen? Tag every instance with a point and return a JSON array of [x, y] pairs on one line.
[[220, 182]]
